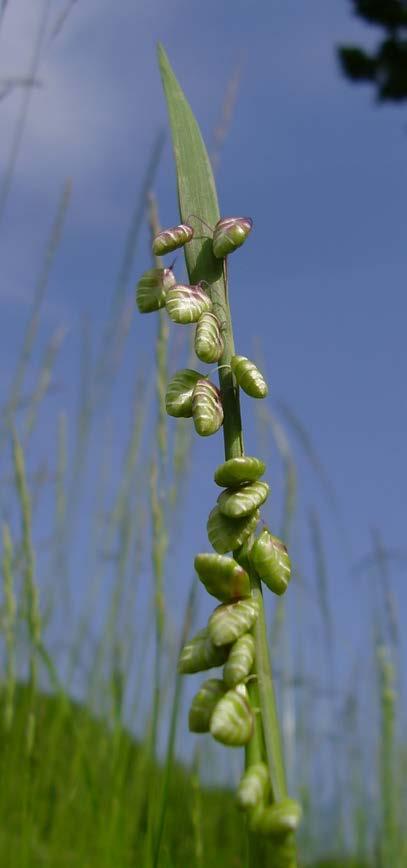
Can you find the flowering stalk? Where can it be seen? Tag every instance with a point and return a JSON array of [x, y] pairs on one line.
[[238, 709]]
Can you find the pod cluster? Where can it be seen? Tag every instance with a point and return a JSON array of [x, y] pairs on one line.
[[222, 705], [191, 393]]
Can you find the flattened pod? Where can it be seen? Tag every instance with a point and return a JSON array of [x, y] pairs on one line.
[[232, 720], [230, 621], [200, 653], [207, 410], [227, 534], [270, 559], [237, 471], [235, 503], [229, 234], [171, 239], [223, 577], [203, 704], [240, 661], [185, 304], [277, 819], [208, 339], [152, 289], [178, 397], [243, 555], [249, 377], [254, 787]]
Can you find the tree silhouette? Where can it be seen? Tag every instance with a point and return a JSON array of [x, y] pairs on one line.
[[386, 69]]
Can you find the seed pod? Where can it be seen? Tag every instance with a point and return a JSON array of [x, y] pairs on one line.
[[203, 704], [235, 503], [230, 621], [249, 377], [185, 304], [270, 559], [208, 339], [278, 819], [243, 555], [232, 720], [207, 410], [200, 654], [229, 234], [254, 787], [170, 239], [237, 471], [227, 534], [178, 397], [240, 661], [152, 289], [223, 577]]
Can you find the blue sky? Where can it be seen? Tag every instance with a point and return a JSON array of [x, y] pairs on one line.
[[320, 284]]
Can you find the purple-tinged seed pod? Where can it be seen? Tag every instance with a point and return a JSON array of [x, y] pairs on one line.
[[227, 534], [200, 654], [237, 471], [208, 339], [204, 704], [276, 820], [271, 561], [254, 787], [229, 234], [238, 502], [240, 661], [207, 410], [249, 377], [231, 620], [170, 239], [232, 719], [185, 304], [223, 577], [152, 289], [178, 397]]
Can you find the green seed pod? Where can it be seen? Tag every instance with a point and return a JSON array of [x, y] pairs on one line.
[[223, 577], [254, 787], [178, 397], [229, 234], [240, 661], [278, 819], [208, 339], [235, 503], [249, 377], [203, 704], [237, 471], [207, 410], [243, 555], [185, 304], [227, 534], [232, 720], [230, 621], [200, 654], [270, 559], [171, 239], [152, 289]]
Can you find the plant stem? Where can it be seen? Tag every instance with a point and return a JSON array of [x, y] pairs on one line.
[[233, 440]]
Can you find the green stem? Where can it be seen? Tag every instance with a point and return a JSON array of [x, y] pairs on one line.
[[268, 703], [233, 440]]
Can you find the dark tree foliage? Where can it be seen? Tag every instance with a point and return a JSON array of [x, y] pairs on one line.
[[386, 68]]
